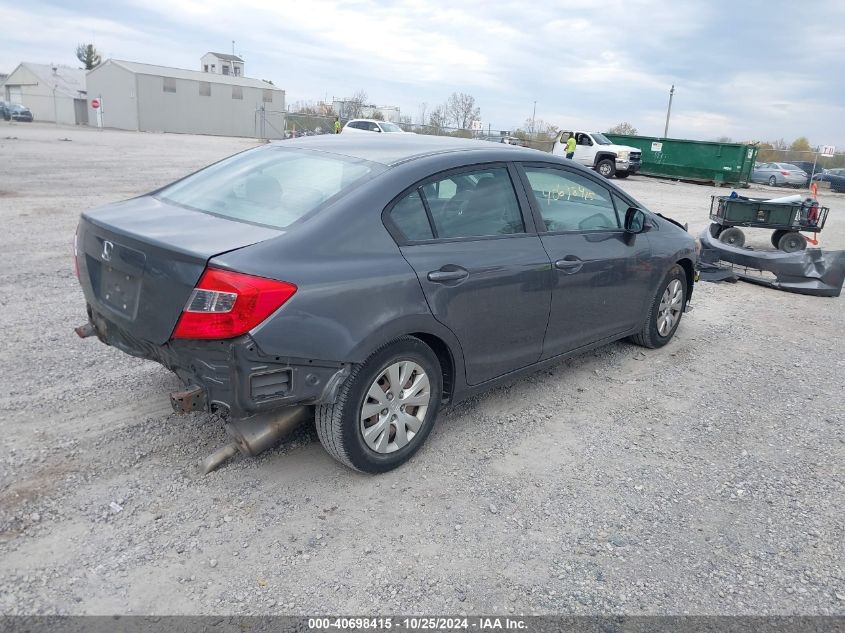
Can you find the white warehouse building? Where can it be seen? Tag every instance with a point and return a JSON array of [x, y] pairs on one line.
[[148, 98], [53, 93]]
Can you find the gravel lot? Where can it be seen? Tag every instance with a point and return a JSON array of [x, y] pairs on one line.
[[703, 478]]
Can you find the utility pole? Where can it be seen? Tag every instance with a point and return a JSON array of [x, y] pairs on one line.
[[533, 116], [233, 48], [668, 112]]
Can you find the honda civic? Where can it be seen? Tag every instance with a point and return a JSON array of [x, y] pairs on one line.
[[374, 279]]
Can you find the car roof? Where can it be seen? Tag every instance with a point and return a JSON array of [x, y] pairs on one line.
[[392, 149]]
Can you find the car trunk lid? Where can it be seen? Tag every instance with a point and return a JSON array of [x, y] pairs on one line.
[[139, 260]]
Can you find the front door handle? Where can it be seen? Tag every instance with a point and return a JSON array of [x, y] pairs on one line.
[[453, 274], [569, 264]]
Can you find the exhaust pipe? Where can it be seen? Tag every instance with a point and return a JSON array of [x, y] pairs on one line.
[[256, 434]]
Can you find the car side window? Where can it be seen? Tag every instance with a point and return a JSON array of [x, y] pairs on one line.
[[474, 204], [570, 202], [373, 127], [410, 217]]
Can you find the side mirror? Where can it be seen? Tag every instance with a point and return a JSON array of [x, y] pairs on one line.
[[635, 220]]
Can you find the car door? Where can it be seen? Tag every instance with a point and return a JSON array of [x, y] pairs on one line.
[[602, 275], [585, 151], [482, 267]]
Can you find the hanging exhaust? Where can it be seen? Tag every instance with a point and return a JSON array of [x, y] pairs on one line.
[[254, 435]]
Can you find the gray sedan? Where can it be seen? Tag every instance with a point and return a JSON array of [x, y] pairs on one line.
[[779, 174], [373, 279]]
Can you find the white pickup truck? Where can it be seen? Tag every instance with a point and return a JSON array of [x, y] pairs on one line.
[[595, 150]]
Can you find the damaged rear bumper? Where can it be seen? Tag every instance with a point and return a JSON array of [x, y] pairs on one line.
[[810, 272], [234, 374]]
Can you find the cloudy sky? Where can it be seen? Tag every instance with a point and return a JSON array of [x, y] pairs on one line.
[[747, 69]]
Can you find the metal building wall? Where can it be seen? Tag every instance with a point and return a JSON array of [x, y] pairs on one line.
[[116, 87], [186, 111]]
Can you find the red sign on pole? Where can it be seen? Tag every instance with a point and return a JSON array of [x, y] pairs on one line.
[[95, 103]]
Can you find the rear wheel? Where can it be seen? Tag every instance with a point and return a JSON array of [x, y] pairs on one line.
[[665, 312], [385, 409], [715, 230], [733, 237], [792, 242], [773, 181], [606, 168], [776, 235]]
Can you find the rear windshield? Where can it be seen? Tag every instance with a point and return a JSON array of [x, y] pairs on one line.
[[273, 186]]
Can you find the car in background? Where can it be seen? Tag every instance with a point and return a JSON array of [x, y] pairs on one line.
[[375, 280], [507, 140], [775, 174], [836, 178], [371, 125], [4, 110], [18, 112], [809, 167]]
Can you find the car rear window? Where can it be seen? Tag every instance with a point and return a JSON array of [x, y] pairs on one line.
[[273, 186]]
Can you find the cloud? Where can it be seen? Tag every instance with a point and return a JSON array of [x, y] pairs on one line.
[[738, 71]]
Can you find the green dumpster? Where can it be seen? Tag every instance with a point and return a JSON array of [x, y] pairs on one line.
[[722, 163]]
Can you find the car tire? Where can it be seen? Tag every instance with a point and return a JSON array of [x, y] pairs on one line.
[[606, 168], [776, 235], [657, 331], [732, 236], [623, 174], [792, 242], [715, 230], [341, 426], [773, 181]]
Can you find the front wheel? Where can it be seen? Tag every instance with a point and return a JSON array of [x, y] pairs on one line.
[[665, 312], [773, 181], [606, 168], [385, 409], [623, 174]]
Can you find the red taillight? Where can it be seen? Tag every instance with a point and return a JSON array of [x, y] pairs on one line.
[[785, 173], [226, 304]]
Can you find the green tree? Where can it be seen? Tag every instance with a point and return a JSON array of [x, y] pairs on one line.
[[801, 144], [88, 55]]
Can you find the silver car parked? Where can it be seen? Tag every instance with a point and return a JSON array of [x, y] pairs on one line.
[[779, 174]]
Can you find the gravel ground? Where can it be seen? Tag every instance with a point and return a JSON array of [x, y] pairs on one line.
[[702, 478]]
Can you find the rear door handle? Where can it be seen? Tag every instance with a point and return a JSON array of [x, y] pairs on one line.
[[455, 274], [570, 264]]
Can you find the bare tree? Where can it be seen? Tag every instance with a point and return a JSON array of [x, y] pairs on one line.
[[355, 105], [423, 110], [623, 128], [438, 119], [461, 110], [540, 128], [377, 115], [88, 55]]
